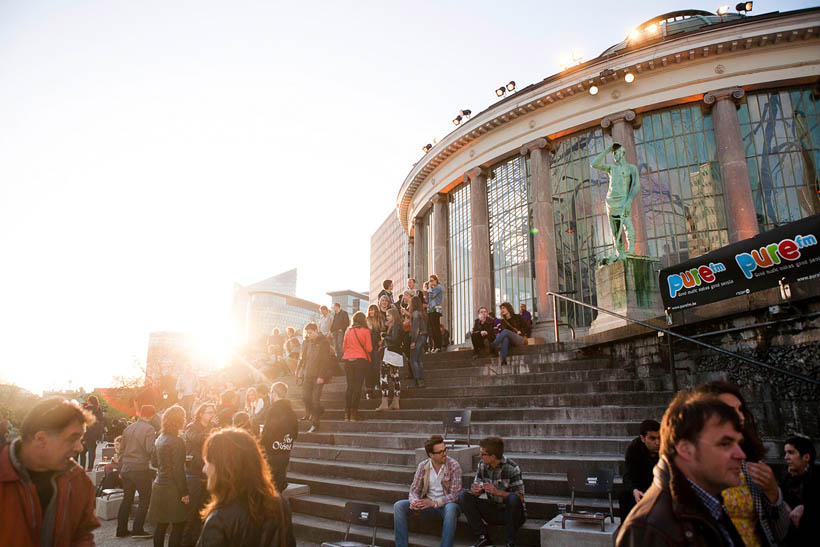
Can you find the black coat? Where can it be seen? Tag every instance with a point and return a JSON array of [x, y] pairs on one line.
[[638, 463], [194, 437], [281, 428], [340, 322], [317, 359], [487, 327], [231, 525]]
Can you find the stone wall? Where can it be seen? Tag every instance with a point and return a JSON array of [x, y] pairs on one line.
[[788, 337]]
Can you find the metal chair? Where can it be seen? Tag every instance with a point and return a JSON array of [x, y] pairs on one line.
[[365, 514], [597, 481], [458, 420]]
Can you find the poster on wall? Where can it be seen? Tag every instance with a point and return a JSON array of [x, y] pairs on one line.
[[789, 254]]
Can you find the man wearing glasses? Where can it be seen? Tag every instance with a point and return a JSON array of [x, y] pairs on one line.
[[500, 479], [433, 494]]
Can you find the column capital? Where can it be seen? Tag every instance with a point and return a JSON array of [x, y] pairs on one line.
[[440, 198], [418, 220], [537, 144], [619, 117], [473, 173], [726, 94]]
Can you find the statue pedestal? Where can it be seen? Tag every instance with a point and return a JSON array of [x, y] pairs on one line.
[[630, 288]]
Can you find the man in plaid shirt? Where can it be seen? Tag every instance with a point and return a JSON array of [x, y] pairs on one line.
[[500, 479], [433, 494]]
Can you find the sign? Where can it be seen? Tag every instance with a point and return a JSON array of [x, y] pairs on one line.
[[790, 254]]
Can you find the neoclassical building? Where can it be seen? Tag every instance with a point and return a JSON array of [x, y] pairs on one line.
[[719, 113]]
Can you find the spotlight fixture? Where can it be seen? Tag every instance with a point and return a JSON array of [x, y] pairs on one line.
[[652, 29], [457, 120], [634, 34], [744, 6], [723, 10], [593, 90], [466, 112], [427, 147], [511, 86], [629, 77], [501, 91]]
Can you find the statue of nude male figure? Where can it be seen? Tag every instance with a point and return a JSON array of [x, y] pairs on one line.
[[624, 185]]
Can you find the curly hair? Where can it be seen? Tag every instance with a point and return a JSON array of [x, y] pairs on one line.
[[240, 474], [173, 420]]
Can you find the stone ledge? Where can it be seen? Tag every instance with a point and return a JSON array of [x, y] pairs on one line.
[[579, 533]]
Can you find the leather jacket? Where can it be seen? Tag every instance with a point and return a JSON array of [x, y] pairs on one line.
[[670, 513], [169, 459], [194, 436], [231, 525]]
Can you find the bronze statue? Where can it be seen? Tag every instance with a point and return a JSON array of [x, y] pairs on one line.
[[624, 185]]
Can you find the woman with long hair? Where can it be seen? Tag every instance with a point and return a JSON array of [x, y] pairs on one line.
[[511, 331], [255, 409], [245, 508], [169, 492], [418, 338], [435, 301], [384, 305], [194, 436], [377, 329], [356, 350], [389, 379], [753, 506]]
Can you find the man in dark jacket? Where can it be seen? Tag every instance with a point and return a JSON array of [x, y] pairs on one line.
[[338, 327], [316, 366], [278, 434], [482, 333], [641, 457], [45, 497], [700, 457], [136, 447], [801, 491]]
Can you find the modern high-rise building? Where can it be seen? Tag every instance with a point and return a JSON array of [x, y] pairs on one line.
[[350, 301], [260, 307], [389, 256]]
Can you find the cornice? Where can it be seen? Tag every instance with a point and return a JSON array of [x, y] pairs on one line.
[[654, 57]]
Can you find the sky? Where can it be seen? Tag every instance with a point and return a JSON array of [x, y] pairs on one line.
[[153, 153]]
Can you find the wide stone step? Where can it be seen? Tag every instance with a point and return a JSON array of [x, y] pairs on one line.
[[481, 429], [531, 364], [622, 386], [538, 506], [353, 454], [604, 413], [507, 379], [333, 508], [545, 484], [539, 445]]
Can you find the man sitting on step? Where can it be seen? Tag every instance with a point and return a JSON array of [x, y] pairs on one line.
[[482, 334], [641, 457], [433, 494], [500, 479]]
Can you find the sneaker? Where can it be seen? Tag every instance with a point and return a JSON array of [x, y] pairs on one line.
[[313, 428], [483, 541], [142, 534]]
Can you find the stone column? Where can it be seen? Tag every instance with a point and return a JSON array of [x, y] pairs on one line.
[[419, 249], [546, 263], [480, 263], [441, 264], [741, 217], [621, 124]]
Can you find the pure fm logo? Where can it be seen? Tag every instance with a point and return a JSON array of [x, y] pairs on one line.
[[767, 256]]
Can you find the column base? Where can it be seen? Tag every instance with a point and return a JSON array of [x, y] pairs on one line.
[[628, 287]]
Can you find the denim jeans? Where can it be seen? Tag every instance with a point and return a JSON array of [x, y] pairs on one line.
[[505, 338], [478, 511], [338, 343], [415, 357], [448, 513], [134, 481]]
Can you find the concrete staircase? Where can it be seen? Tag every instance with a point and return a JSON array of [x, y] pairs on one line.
[[554, 407]]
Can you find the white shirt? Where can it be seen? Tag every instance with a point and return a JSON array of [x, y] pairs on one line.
[[436, 491]]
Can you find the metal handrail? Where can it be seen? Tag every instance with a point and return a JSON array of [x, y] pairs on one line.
[[669, 333]]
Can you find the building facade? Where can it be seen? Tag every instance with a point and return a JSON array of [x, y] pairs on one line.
[[259, 308], [389, 256], [350, 301], [720, 114]]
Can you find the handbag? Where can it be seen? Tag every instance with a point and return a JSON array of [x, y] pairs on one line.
[[392, 358]]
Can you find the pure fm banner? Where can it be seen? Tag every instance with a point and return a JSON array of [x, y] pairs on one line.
[[789, 253]]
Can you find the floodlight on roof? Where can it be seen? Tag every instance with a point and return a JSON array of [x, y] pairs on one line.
[[457, 120], [427, 147], [501, 91], [723, 10], [634, 34], [652, 29], [465, 112], [511, 86], [593, 90], [744, 6], [629, 77]]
